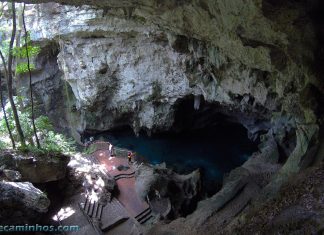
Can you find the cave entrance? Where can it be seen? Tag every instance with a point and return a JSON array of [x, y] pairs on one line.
[[201, 138], [194, 114]]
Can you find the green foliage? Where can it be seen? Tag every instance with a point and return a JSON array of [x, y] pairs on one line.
[[91, 149], [3, 145], [55, 142], [21, 52], [50, 140], [43, 123], [4, 46], [23, 68]]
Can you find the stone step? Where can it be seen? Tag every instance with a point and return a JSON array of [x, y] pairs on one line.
[[113, 214], [114, 223], [146, 219], [129, 227], [92, 209], [123, 176], [144, 216], [147, 210]]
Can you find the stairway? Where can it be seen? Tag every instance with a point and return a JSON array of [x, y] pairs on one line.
[[124, 175], [92, 209], [144, 216]]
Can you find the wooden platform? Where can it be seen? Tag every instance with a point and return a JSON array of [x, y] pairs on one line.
[[123, 215], [125, 181]]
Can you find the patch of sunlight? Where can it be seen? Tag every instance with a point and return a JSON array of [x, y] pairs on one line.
[[111, 158], [63, 214], [93, 196], [83, 168], [94, 185], [24, 186], [99, 183], [102, 168], [101, 154], [73, 163], [79, 163], [79, 157], [6, 140], [89, 179], [113, 167]]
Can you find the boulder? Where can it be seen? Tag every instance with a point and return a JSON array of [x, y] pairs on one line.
[[158, 182], [44, 168], [21, 202], [90, 177], [36, 168], [233, 186], [302, 156], [10, 175]]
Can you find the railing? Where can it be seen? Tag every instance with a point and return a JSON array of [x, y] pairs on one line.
[[104, 145]]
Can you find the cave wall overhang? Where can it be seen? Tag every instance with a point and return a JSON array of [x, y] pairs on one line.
[[131, 64]]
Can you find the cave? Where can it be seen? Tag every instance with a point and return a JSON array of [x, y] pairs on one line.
[[156, 117], [193, 113], [201, 138]]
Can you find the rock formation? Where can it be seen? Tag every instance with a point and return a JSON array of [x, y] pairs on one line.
[[34, 168], [112, 64], [21, 203], [132, 66], [155, 183]]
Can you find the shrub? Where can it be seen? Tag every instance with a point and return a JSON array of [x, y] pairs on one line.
[[50, 140]]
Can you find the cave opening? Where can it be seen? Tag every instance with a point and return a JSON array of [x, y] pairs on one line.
[[200, 138]]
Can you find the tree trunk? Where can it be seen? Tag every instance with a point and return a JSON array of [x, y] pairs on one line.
[[18, 34], [30, 79], [2, 102], [10, 78]]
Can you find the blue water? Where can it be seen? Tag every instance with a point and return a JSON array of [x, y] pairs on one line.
[[215, 151]]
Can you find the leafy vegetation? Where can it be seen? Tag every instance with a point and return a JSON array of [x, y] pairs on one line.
[[33, 50], [23, 68], [50, 140], [8, 67], [21, 52], [18, 119], [89, 150], [26, 51]]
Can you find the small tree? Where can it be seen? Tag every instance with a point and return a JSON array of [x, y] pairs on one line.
[[20, 54], [1, 92], [10, 78], [3, 104], [33, 51]]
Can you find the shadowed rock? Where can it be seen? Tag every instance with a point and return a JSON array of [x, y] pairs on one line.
[[21, 203]]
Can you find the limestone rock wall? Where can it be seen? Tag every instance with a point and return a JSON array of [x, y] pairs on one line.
[[131, 64]]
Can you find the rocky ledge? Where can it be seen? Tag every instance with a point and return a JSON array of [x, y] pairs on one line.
[[34, 168], [248, 203], [20, 201], [170, 194]]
